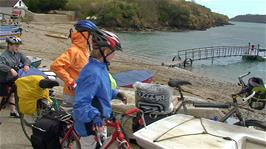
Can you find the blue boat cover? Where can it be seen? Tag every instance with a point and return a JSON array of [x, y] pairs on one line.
[[32, 71], [130, 77]]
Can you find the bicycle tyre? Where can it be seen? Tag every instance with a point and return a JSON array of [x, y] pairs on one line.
[[27, 121], [252, 123], [26, 126], [72, 142]]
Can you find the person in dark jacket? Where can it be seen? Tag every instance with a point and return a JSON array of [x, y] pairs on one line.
[[94, 92], [10, 61]]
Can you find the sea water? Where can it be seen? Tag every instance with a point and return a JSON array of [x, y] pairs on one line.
[[163, 46]]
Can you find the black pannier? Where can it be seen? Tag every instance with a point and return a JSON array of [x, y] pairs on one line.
[[47, 131]]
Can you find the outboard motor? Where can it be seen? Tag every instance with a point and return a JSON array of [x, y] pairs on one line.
[[154, 100]]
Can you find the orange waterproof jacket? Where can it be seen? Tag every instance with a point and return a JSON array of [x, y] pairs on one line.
[[69, 64]]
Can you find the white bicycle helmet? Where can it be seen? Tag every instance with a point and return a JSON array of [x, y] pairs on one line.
[[108, 39], [13, 40]]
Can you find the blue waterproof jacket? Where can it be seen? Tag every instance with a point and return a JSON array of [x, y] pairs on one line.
[[93, 96]]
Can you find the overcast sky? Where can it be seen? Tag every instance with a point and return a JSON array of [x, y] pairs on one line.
[[232, 8]]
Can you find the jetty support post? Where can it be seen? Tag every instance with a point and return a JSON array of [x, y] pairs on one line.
[[212, 52]]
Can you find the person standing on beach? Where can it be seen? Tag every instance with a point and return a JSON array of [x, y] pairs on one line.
[[94, 92], [69, 64], [10, 61]]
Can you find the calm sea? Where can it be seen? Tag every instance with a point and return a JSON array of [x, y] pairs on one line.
[[162, 46]]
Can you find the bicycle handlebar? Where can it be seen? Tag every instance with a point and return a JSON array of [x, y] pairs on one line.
[[240, 78], [243, 75]]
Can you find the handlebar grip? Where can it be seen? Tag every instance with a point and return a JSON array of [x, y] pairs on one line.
[[211, 105]]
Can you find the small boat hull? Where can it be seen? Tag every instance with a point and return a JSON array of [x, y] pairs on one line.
[[185, 131]]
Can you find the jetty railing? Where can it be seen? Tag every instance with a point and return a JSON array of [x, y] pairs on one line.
[[212, 52]]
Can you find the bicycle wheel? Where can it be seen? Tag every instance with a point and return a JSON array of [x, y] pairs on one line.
[[72, 142], [252, 124], [26, 122]]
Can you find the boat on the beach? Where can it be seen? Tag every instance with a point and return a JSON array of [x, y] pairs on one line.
[[9, 30], [186, 131], [128, 78]]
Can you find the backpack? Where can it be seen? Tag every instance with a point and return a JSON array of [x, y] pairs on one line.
[[47, 131]]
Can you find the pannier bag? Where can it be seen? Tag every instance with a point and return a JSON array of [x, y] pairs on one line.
[[154, 100], [48, 129], [29, 92], [258, 102]]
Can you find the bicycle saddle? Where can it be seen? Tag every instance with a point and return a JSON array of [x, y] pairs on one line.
[[48, 83], [176, 83]]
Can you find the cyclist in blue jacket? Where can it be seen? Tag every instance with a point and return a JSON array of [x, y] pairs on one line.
[[94, 93]]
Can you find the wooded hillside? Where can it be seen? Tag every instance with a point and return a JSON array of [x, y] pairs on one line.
[[250, 18], [140, 14]]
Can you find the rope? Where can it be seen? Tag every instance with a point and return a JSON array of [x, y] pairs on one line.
[[204, 132], [157, 139]]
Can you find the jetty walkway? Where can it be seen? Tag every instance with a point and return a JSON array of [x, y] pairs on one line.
[[185, 58]]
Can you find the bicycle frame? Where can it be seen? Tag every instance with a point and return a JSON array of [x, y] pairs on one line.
[[71, 129], [68, 136], [118, 134], [235, 109], [234, 104]]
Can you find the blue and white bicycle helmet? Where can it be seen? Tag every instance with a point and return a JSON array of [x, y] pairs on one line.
[[13, 40], [85, 25]]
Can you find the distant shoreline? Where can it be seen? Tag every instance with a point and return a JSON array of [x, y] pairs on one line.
[[250, 18]]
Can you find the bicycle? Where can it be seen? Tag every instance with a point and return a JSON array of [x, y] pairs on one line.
[[69, 138], [233, 106], [118, 134]]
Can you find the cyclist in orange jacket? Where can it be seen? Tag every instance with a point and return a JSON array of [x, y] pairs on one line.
[[69, 64]]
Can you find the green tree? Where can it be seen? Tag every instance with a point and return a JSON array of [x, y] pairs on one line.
[[45, 5]]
